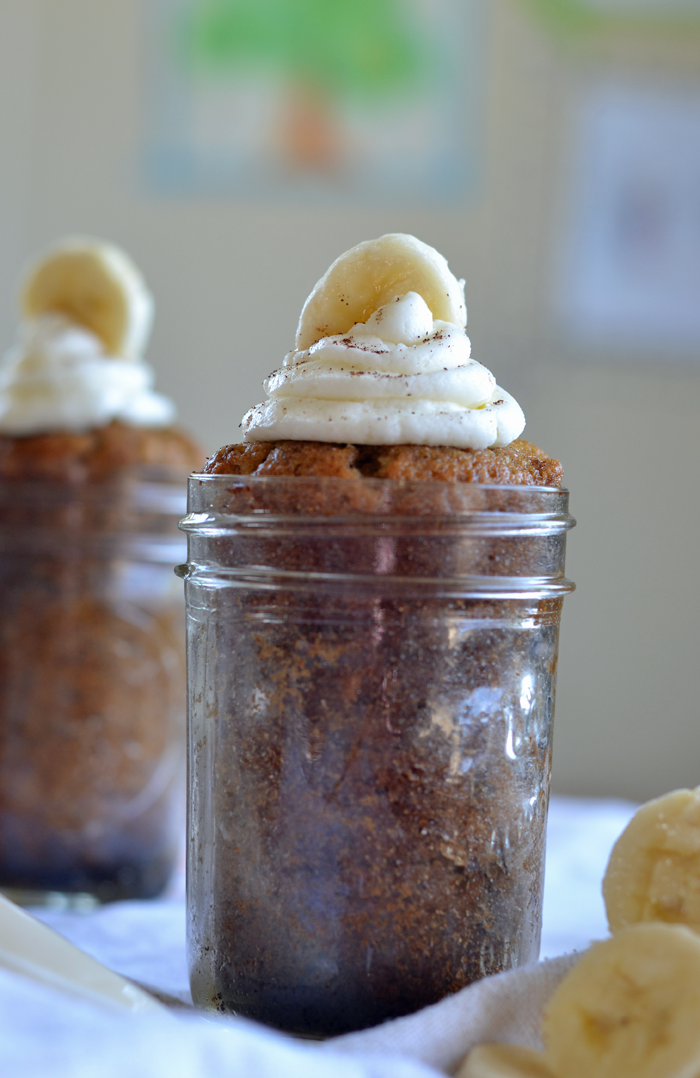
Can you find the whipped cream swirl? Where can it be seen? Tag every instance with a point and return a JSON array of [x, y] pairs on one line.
[[58, 377], [401, 377]]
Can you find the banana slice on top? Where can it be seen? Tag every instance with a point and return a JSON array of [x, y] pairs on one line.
[[654, 869], [504, 1061], [370, 275], [629, 1008], [95, 285]]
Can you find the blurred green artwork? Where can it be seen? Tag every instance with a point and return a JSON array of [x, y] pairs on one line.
[[359, 47], [673, 16], [323, 98]]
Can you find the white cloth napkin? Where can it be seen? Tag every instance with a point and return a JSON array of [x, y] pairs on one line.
[[507, 1007], [45, 1035]]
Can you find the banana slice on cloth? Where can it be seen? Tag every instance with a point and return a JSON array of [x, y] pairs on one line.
[[630, 1008], [95, 285], [370, 275], [504, 1061], [654, 869]]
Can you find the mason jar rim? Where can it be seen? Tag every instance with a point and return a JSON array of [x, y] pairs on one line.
[[131, 515], [147, 491], [208, 514], [246, 511]]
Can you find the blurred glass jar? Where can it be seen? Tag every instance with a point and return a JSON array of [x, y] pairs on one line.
[[92, 687], [372, 671]]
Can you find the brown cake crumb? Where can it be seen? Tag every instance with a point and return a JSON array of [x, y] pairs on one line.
[[521, 463], [96, 454], [370, 731], [91, 661]]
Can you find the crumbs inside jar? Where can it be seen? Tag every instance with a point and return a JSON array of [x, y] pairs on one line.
[[91, 727], [92, 662], [370, 763]]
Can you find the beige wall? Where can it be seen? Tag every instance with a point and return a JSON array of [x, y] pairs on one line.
[[229, 279]]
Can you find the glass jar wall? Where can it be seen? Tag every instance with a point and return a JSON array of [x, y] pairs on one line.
[[92, 688], [372, 672]]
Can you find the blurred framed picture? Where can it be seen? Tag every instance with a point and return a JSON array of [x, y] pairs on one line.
[[369, 100], [629, 262]]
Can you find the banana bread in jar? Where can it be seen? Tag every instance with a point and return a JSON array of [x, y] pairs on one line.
[[92, 679], [372, 633]]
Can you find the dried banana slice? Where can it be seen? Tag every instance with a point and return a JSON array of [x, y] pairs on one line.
[[654, 869], [629, 1008], [504, 1061], [370, 275], [95, 285]]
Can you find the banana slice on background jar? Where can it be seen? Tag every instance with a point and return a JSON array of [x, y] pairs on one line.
[[92, 284]]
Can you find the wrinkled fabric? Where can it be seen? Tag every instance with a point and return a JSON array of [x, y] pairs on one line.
[[47, 1035]]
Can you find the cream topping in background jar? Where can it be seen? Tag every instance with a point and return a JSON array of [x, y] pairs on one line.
[[57, 377], [77, 363]]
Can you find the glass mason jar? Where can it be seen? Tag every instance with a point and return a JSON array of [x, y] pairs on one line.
[[92, 687], [372, 670]]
